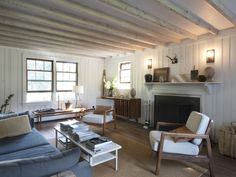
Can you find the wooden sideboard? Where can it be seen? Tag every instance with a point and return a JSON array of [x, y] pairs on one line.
[[127, 108]]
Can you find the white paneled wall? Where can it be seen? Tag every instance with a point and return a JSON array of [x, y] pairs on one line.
[[220, 104], [11, 77]]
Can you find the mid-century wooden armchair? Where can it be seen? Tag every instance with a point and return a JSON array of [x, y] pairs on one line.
[[167, 148], [102, 115]]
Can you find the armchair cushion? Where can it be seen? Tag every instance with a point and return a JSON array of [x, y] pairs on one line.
[[197, 123], [170, 146], [100, 109], [182, 129], [97, 118]]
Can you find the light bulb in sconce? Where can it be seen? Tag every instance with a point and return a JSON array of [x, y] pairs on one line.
[[210, 56], [149, 63]]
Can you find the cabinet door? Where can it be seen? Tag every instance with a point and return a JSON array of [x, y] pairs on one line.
[[135, 108]]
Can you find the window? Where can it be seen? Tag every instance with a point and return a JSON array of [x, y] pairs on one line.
[[124, 75], [39, 80], [39, 75], [66, 74], [125, 72]]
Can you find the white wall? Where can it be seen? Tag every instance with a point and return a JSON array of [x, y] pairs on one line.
[[220, 104], [11, 76]]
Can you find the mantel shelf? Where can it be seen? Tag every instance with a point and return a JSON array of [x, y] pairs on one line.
[[182, 83], [207, 85]]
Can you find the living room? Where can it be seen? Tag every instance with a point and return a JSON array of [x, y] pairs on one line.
[[141, 63]]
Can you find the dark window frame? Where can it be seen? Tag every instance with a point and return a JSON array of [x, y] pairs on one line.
[[76, 72], [52, 72], [124, 70]]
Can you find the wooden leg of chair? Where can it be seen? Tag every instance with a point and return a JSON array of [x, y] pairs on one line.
[[209, 151], [115, 124], [103, 129], [159, 154], [158, 165]]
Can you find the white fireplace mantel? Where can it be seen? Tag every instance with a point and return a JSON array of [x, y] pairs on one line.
[[207, 86]]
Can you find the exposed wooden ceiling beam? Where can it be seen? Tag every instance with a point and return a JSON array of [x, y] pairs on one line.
[[172, 6], [220, 7], [44, 49], [108, 40], [74, 20], [143, 15], [60, 44], [163, 34], [124, 24], [51, 46], [59, 39]]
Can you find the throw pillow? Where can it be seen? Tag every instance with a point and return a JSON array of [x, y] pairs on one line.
[[14, 126], [10, 115], [100, 109], [182, 129]]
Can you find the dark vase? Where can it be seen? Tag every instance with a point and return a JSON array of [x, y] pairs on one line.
[[202, 78], [110, 92], [148, 78]]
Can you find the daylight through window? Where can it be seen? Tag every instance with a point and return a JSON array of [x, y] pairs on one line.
[[66, 74]]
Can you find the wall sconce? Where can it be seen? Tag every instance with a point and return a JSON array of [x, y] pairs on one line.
[[210, 56], [149, 63]]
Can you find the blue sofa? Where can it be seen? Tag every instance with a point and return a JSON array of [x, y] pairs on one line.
[[31, 155]]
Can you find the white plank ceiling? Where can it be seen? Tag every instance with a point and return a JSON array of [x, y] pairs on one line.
[[109, 28]]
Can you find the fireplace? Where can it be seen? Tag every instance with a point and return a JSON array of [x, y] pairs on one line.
[[174, 108]]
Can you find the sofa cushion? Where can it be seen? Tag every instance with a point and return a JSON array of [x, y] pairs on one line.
[[14, 126], [26, 141], [170, 146], [197, 123], [96, 118], [31, 152], [40, 166]]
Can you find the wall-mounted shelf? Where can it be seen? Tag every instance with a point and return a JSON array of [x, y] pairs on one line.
[[207, 85]]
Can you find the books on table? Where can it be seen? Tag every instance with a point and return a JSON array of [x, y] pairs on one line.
[[98, 144], [78, 130]]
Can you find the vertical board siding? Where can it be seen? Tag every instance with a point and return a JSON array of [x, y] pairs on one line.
[[220, 103], [11, 77]]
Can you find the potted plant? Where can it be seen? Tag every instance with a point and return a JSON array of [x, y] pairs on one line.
[[110, 86]]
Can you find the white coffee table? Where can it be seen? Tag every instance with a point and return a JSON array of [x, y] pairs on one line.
[[94, 158]]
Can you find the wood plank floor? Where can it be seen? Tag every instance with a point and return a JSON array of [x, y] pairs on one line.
[[223, 166]]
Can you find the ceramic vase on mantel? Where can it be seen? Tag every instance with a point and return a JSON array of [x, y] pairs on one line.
[[132, 92]]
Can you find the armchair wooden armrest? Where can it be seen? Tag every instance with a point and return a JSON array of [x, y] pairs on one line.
[[167, 124], [90, 109], [185, 135], [110, 110]]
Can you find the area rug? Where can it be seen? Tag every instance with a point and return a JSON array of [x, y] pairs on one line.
[[137, 160]]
